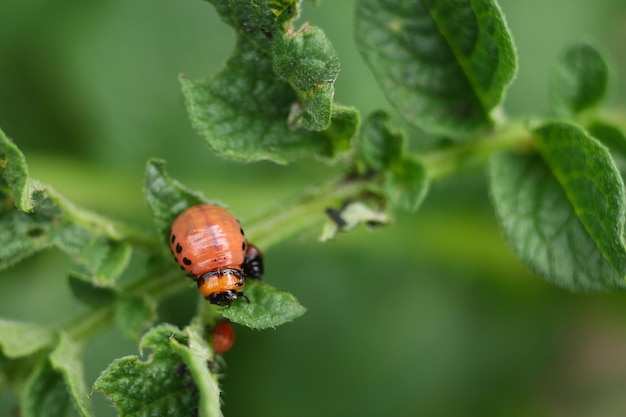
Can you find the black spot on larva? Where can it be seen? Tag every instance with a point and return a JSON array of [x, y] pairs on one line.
[[173, 238], [241, 231], [182, 267], [186, 261], [179, 248], [243, 245]]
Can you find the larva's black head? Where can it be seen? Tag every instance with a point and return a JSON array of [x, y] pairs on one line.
[[225, 298]]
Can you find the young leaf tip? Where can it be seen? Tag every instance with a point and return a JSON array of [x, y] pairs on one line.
[[579, 80]]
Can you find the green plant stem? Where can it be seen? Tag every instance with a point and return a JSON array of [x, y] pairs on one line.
[[83, 327], [103, 225], [291, 217], [442, 163], [271, 227], [155, 285], [303, 212]]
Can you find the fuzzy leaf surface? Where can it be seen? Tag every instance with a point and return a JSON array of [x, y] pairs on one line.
[[273, 99], [19, 339], [307, 61], [45, 394], [34, 217], [587, 174], [443, 65], [562, 210], [161, 385], [66, 359], [611, 136], [166, 197], [268, 307]]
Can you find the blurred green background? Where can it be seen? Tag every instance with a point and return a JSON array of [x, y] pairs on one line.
[[430, 317]]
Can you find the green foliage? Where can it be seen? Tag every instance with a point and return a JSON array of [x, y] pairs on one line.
[[579, 80], [306, 60], [378, 145], [405, 180], [45, 393], [275, 70], [268, 307], [42, 218], [22, 339], [65, 359], [163, 384], [610, 135], [444, 66], [562, 209]]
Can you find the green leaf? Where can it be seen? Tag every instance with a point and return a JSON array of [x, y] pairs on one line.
[[562, 212], [88, 293], [66, 359], [103, 258], [611, 136], [21, 235], [268, 307], [248, 112], [307, 61], [166, 197], [14, 174], [406, 184], [378, 145], [443, 65], [92, 240], [344, 126], [587, 174], [579, 80], [45, 394], [19, 339], [133, 314], [161, 385], [196, 355]]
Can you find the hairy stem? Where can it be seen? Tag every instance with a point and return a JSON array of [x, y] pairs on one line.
[[103, 225], [303, 212], [442, 163]]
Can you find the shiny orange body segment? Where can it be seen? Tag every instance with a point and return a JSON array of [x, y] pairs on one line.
[[209, 243], [220, 282], [207, 238], [223, 337]]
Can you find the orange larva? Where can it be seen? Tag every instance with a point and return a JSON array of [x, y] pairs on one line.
[[209, 243]]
